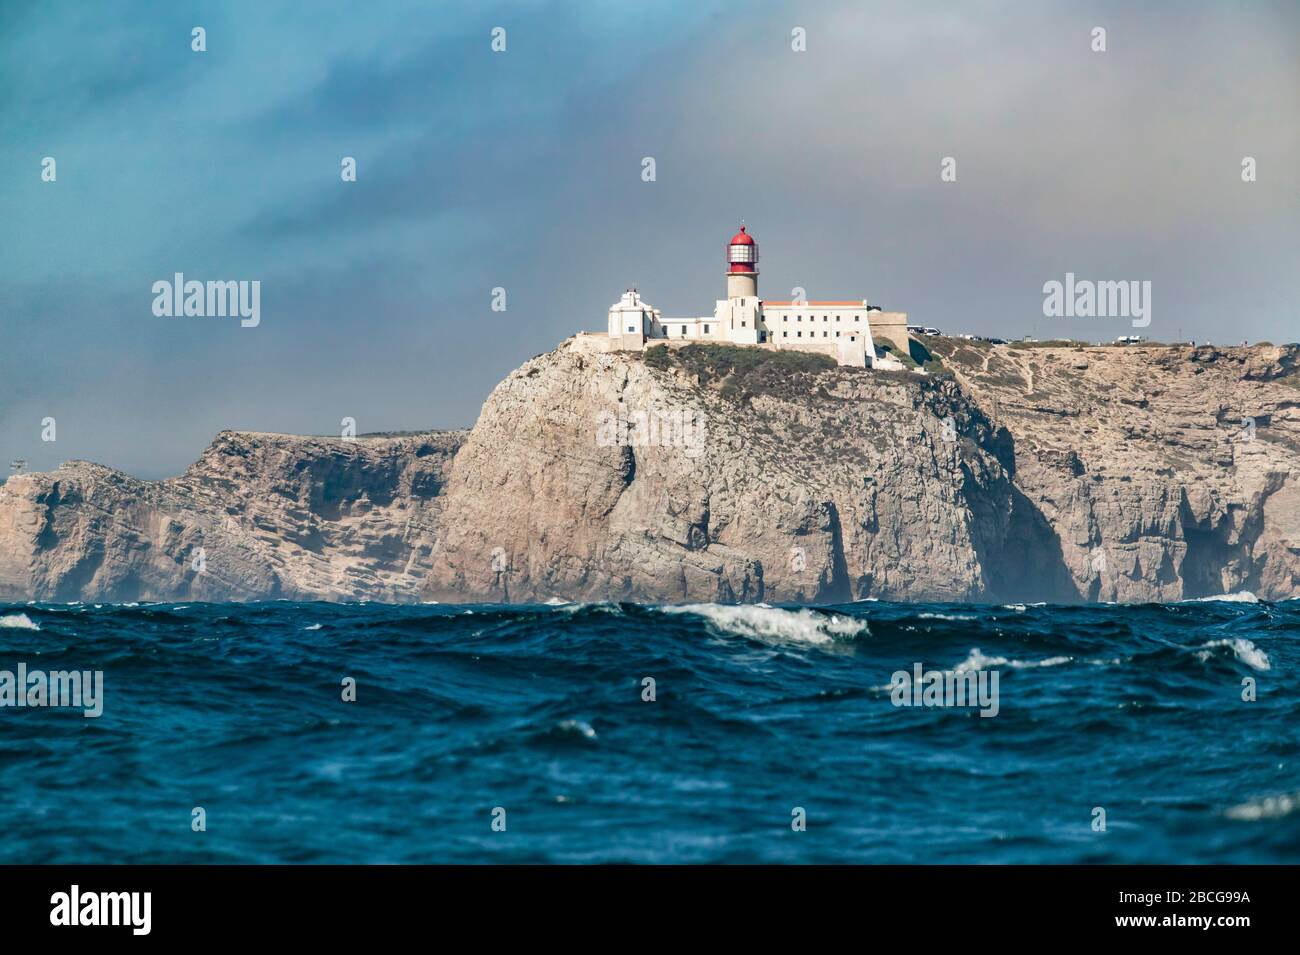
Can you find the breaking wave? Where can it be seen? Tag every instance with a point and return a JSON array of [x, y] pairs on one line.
[[761, 622], [1241, 597], [1242, 649], [978, 661]]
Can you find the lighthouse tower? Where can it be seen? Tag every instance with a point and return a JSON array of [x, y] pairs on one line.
[[742, 266]]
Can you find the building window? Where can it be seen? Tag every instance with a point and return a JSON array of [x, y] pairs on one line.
[[742, 324], [837, 318], [856, 317], [798, 318], [631, 328], [837, 333], [825, 334], [799, 334], [706, 329], [825, 318], [785, 334], [683, 329]]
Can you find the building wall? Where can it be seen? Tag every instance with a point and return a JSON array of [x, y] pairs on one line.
[[740, 318], [842, 330], [795, 323], [692, 329], [631, 321], [828, 322], [891, 327]]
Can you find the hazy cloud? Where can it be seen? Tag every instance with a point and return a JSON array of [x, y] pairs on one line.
[[522, 170]]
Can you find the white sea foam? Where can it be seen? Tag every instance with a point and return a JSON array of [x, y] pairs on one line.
[[1267, 807], [314, 626], [18, 621], [775, 624], [578, 728], [556, 602], [943, 616], [1240, 597], [978, 661], [1242, 649], [600, 607]]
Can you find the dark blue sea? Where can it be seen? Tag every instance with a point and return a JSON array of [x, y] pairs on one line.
[[758, 713]]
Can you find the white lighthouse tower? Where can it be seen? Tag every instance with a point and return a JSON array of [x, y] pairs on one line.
[[742, 266]]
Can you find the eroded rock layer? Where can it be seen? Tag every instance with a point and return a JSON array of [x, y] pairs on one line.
[[1055, 472]]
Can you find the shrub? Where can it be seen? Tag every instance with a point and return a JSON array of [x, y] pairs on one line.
[[741, 372]]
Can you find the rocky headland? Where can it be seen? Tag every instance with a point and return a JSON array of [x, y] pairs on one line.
[[1056, 471]]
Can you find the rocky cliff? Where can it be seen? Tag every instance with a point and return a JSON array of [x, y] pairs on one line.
[[1054, 472], [258, 516], [1158, 472]]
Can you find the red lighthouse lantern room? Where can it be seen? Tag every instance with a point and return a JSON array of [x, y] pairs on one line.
[[742, 253]]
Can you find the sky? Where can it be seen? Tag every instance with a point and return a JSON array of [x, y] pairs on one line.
[[523, 170]]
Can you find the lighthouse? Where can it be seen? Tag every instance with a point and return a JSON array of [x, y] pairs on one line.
[[841, 329], [742, 266]]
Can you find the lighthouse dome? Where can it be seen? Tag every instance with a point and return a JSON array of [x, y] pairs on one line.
[[742, 253]]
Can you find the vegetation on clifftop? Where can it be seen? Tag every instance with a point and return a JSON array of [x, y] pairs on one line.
[[740, 372]]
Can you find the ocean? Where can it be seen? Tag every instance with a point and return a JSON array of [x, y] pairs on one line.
[[582, 733]]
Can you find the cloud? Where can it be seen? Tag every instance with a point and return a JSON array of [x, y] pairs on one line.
[[522, 170]]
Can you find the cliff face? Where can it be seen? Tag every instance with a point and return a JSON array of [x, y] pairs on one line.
[[777, 484], [1038, 474], [269, 515], [1161, 472], [1044, 473]]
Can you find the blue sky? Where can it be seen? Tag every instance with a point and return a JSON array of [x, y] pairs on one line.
[[522, 170]]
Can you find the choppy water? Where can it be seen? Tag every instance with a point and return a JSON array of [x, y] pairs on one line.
[[539, 710]]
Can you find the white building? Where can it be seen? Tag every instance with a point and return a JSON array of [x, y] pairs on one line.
[[842, 329]]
